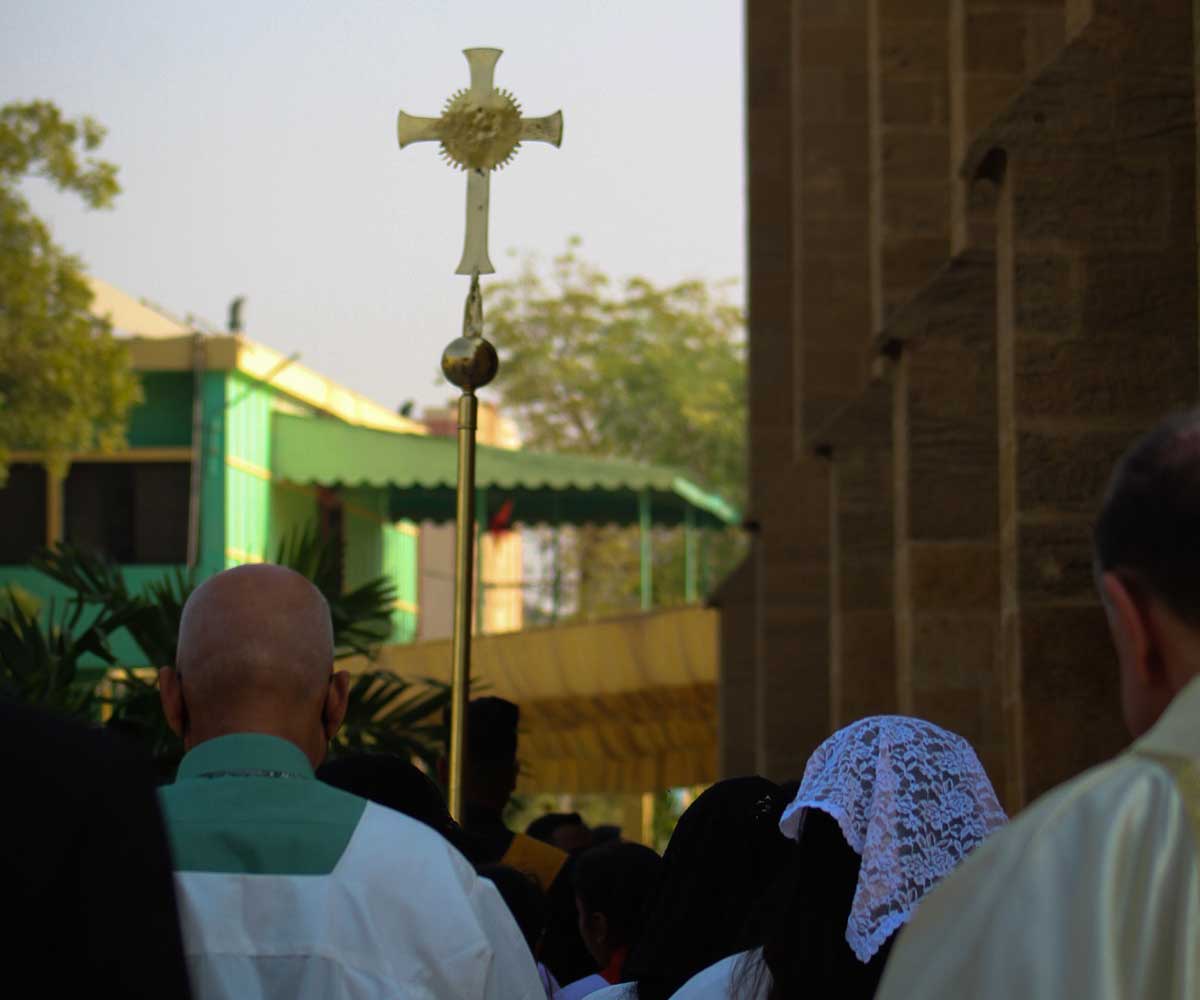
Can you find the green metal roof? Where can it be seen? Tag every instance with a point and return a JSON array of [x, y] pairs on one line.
[[420, 474]]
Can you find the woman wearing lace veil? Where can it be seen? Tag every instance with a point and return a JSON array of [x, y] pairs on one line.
[[888, 807]]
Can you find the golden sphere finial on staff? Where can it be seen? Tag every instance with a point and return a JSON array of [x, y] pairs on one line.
[[470, 363]]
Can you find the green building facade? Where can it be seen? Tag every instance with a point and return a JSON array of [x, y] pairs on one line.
[[195, 485]]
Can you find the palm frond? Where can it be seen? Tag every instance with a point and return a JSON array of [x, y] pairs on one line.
[[392, 714], [39, 662]]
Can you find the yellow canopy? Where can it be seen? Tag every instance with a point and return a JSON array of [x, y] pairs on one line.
[[622, 705]]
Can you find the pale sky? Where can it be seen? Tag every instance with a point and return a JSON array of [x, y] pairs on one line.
[[257, 152]]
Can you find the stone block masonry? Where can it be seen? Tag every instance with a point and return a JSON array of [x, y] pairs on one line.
[[972, 283]]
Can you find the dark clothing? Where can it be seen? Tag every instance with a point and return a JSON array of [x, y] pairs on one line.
[[492, 838], [725, 853], [86, 869], [563, 951], [800, 922]]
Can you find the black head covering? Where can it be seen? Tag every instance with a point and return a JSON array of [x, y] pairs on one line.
[[801, 923], [725, 852]]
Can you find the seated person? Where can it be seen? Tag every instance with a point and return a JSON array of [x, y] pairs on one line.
[[888, 807], [289, 888], [612, 885]]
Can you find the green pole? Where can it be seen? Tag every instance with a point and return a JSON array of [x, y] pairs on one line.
[[647, 553], [481, 521], [689, 555], [705, 569]]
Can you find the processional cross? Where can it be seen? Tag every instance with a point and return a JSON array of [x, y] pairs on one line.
[[480, 130]]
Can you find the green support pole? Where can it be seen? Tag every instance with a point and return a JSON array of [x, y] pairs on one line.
[[481, 523], [647, 553], [705, 569], [689, 555]]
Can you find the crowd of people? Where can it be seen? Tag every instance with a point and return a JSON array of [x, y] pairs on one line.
[[887, 869]]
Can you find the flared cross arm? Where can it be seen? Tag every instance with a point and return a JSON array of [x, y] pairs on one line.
[[480, 129]]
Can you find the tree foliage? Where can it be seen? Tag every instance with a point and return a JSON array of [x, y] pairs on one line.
[[626, 369], [629, 370], [65, 383]]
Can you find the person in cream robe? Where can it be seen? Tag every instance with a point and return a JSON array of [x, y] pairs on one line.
[[1094, 891]]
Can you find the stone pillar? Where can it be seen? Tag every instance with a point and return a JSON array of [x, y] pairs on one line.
[[831, 203], [909, 148], [793, 623], [946, 521], [1097, 324], [788, 491], [996, 48], [861, 635]]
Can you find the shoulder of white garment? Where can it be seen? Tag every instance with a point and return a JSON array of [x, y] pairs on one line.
[[448, 879], [512, 973], [401, 914], [718, 980], [622, 991], [1081, 895]]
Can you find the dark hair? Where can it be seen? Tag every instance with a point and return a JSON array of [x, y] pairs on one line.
[[388, 780], [492, 730], [1149, 523], [606, 833], [394, 782], [543, 827], [617, 880], [525, 901], [725, 851], [800, 924]]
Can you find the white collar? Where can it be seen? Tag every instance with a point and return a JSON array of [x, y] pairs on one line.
[[1177, 732]]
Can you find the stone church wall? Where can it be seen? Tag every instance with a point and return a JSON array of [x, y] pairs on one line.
[[972, 283]]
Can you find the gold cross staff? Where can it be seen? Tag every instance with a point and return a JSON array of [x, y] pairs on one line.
[[480, 129]]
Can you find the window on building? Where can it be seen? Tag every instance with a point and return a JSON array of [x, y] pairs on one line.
[[132, 512], [22, 514]]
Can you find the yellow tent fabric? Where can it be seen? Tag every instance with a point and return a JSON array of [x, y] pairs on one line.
[[624, 705]]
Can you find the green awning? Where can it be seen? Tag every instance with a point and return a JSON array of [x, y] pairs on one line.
[[420, 474]]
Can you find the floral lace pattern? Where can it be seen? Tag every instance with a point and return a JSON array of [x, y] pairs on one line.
[[912, 800]]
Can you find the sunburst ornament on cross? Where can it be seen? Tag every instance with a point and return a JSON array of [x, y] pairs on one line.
[[480, 130]]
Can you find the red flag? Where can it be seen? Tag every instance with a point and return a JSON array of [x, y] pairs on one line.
[[502, 520]]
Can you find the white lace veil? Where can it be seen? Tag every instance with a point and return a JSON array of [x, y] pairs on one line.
[[912, 800]]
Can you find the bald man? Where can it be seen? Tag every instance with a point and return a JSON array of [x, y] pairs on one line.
[[1094, 890], [289, 887]]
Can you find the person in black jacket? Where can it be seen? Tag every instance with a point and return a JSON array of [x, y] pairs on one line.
[[85, 865]]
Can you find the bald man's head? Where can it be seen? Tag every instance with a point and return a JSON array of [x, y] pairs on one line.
[[255, 655]]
